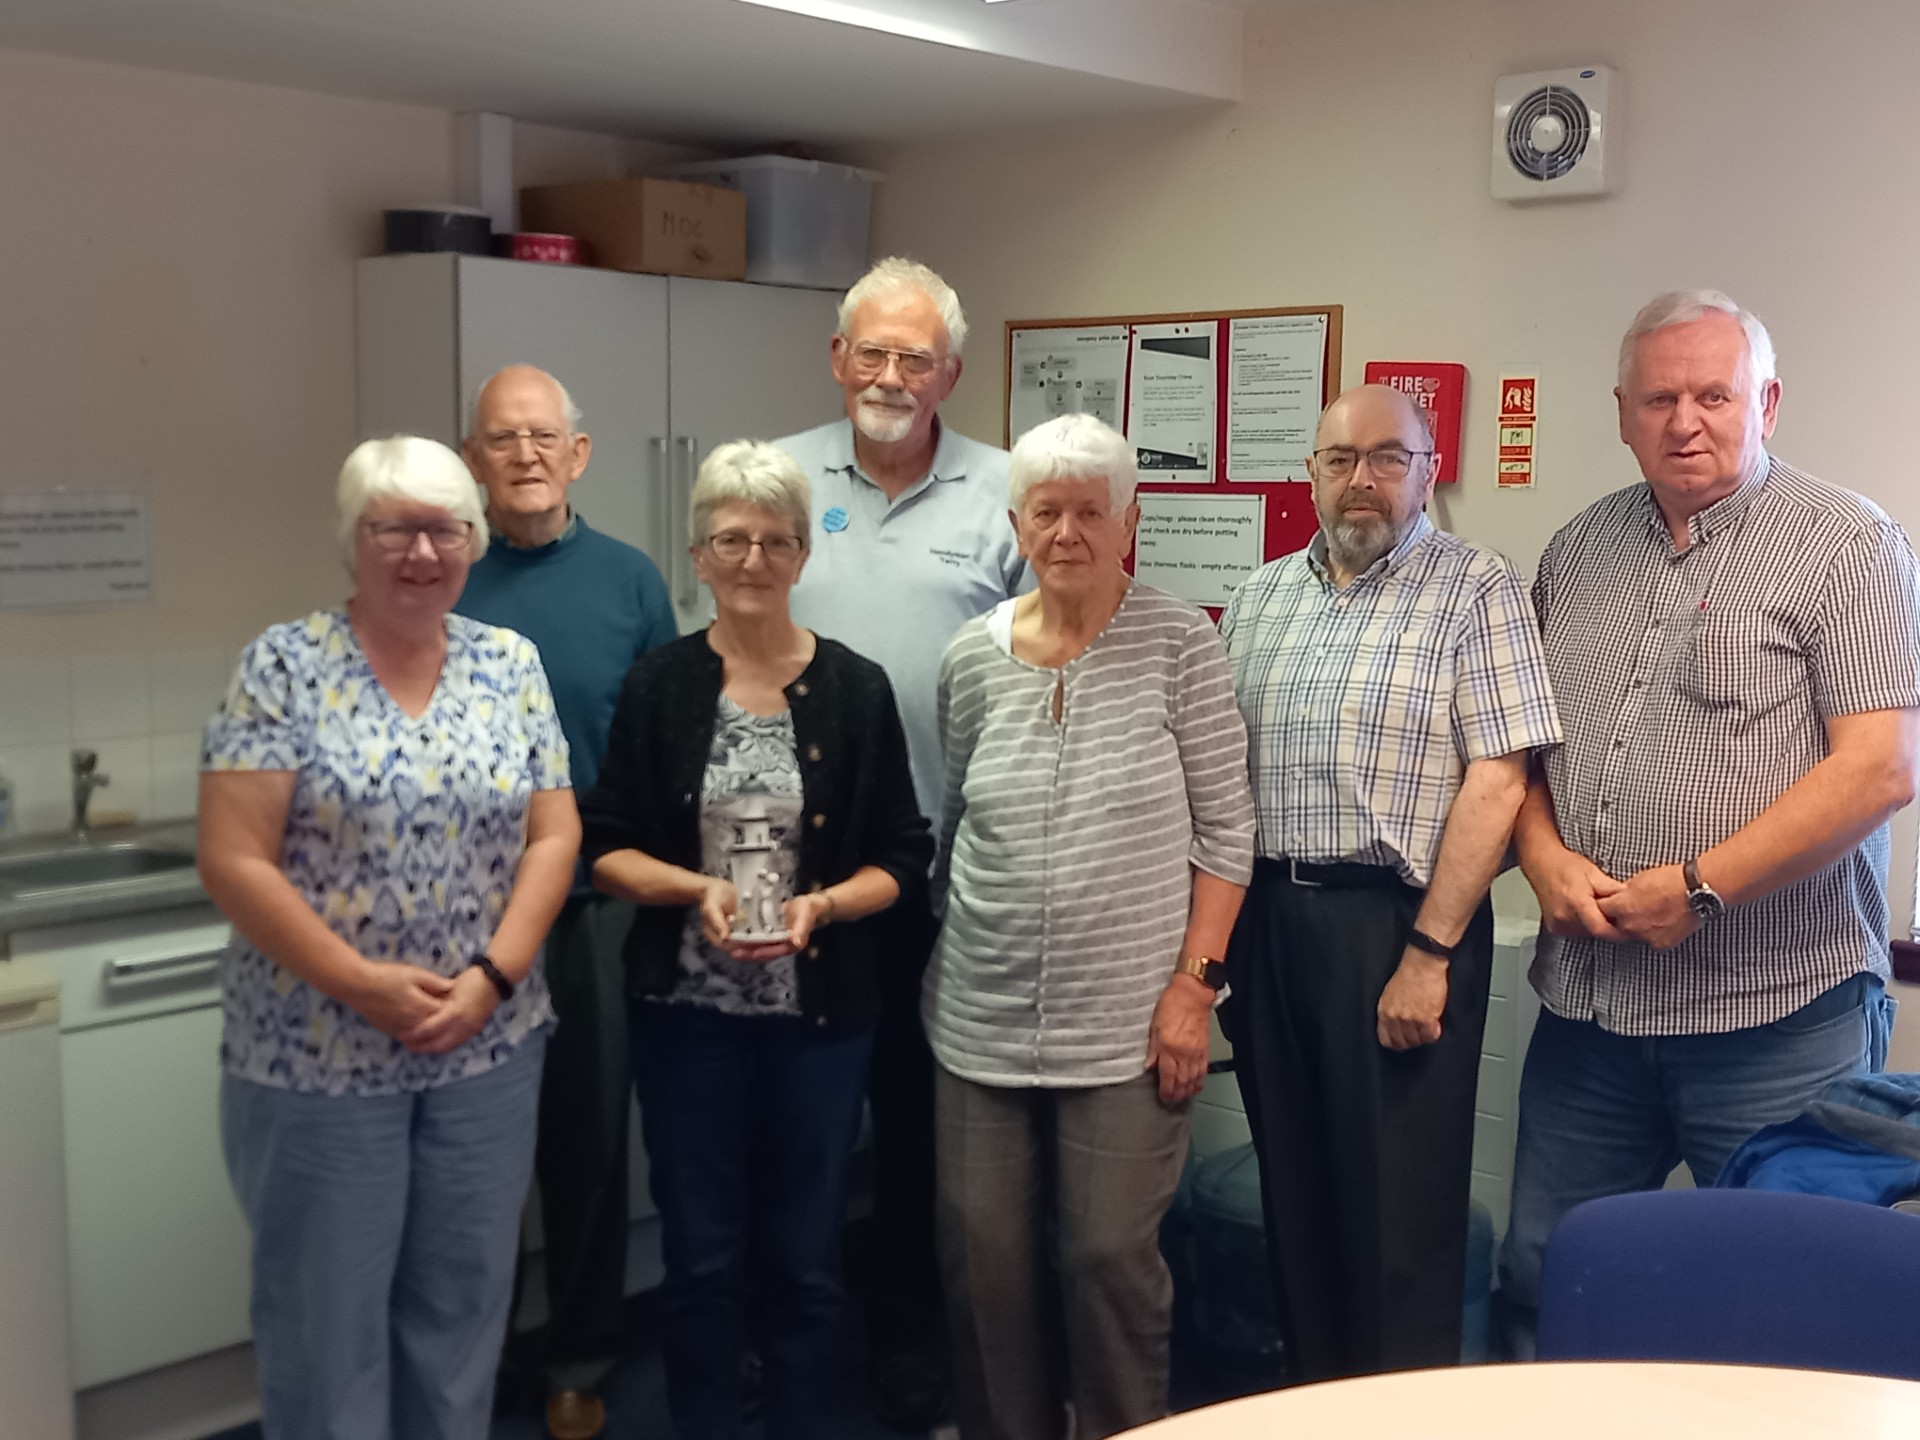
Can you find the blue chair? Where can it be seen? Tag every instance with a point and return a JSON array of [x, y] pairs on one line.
[[1735, 1276]]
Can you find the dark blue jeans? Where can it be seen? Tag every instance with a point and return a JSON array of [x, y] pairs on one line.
[[750, 1123], [1602, 1114]]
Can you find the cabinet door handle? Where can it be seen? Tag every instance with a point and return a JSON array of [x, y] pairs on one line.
[[687, 589], [660, 477], [161, 967]]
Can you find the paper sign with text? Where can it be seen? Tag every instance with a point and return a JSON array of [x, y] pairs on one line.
[[63, 548], [1199, 547]]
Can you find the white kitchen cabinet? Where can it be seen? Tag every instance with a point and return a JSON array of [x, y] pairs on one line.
[[663, 369], [157, 1248]]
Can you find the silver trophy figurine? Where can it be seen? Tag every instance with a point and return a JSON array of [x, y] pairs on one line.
[[761, 891]]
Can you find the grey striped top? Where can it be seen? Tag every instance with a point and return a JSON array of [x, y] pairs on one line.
[[1067, 848]]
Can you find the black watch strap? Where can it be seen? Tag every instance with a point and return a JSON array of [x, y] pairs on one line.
[[484, 964], [1420, 940]]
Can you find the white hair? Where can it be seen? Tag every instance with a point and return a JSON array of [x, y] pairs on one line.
[[895, 275], [408, 467], [749, 472], [567, 408], [1678, 307], [1073, 447]]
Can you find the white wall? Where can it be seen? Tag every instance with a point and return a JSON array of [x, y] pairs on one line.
[[177, 294], [1765, 150]]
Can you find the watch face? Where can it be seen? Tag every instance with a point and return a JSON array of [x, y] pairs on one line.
[[1704, 903], [1215, 976]]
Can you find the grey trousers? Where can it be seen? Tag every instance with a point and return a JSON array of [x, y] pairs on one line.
[[1049, 1210]]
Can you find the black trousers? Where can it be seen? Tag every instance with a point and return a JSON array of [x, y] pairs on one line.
[[904, 1309], [580, 1160], [1364, 1152]]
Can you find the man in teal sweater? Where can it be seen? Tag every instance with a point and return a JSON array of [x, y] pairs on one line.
[[591, 604]]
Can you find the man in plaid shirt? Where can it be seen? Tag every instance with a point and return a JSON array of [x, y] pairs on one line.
[[1736, 650], [1393, 688]]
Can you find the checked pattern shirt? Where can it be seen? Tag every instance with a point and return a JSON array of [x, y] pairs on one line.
[[1695, 686], [1364, 706]]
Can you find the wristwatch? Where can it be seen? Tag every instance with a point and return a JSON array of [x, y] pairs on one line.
[[1702, 898], [1209, 972]]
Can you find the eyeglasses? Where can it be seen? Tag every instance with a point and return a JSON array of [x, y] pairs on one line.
[[733, 547], [507, 442], [869, 362], [1388, 462], [396, 536]]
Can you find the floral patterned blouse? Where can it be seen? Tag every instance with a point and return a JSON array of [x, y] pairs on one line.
[[403, 834]]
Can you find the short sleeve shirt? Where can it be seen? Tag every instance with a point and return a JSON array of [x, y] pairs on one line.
[[895, 580], [403, 834]]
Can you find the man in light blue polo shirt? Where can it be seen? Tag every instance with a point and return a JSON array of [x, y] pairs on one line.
[[910, 541]]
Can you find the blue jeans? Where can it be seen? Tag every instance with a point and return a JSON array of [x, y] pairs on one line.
[[1603, 1114], [750, 1123], [385, 1230]]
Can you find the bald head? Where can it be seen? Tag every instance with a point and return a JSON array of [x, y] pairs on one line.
[[523, 447], [510, 379], [1372, 470], [1376, 403]]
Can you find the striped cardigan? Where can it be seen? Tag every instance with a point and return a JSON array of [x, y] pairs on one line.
[[1066, 852]]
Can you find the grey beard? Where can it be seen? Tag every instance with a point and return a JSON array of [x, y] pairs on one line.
[[1354, 546]]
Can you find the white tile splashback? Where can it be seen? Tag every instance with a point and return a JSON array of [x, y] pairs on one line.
[[142, 713]]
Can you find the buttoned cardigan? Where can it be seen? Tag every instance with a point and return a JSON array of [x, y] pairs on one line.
[[856, 790]]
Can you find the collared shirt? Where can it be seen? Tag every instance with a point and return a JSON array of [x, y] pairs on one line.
[[1695, 685], [895, 580], [1364, 706]]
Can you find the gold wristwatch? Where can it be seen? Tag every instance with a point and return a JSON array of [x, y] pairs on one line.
[[1208, 971]]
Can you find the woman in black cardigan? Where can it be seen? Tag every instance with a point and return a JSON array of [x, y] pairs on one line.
[[753, 737]]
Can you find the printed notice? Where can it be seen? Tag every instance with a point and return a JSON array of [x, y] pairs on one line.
[[1199, 547], [1171, 400], [1275, 370], [1066, 372], [78, 548]]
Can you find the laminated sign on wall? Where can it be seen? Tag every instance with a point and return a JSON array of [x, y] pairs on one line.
[[73, 548]]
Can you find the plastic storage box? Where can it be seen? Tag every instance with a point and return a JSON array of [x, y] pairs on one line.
[[806, 219]]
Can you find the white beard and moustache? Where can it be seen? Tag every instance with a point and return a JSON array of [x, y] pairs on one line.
[[882, 416]]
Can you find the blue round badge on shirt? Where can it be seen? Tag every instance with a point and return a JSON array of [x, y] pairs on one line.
[[834, 521]]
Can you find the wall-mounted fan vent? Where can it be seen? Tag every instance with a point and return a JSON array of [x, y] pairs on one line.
[[1550, 133]]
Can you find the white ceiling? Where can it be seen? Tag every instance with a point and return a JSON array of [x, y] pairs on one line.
[[716, 72]]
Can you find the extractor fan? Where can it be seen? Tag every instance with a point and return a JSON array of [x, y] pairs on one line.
[[1551, 130]]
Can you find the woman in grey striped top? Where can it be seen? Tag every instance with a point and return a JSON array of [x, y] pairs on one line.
[[1098, 837]]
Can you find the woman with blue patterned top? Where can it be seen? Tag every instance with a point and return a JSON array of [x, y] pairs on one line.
[[385, 818], [758, 752]]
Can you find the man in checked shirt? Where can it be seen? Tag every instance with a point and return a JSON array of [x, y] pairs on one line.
[[1734, 647], [1393, 687]]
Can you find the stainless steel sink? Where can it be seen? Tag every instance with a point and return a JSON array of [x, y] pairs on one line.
[[45, 872]]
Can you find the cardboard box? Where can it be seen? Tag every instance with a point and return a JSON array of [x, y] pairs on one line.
[[662, 227]]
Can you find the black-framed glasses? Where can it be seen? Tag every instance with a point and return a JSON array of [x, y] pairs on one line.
[[733, 547], [869, 361], [1388, 462], [396, 537], [507, 442]]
